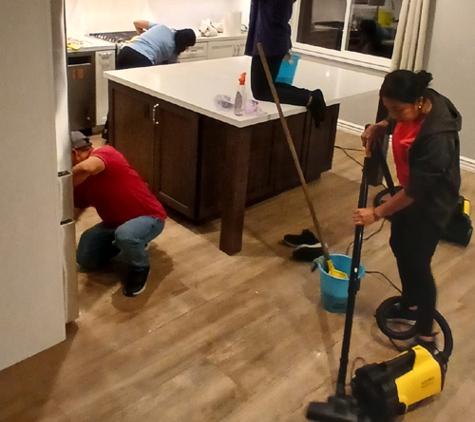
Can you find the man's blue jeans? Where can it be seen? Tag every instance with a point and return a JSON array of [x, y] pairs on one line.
[[100, 243]]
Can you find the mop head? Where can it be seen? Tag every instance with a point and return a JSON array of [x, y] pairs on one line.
[[322, 261]]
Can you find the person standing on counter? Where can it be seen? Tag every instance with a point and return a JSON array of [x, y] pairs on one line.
[[131, 215], [269, 25], [155, 44]]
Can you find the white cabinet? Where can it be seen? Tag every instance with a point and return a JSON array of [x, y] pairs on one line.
[[105, 60], [198, 52], [227, 48]]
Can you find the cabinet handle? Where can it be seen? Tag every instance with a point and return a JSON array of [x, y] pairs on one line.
[[155, 122], [105, 54], [235, 52]]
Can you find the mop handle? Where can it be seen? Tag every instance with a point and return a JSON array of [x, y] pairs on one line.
[[290, 142]]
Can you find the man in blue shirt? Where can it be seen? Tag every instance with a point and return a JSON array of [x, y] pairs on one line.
[[156, 44], [269, 25]]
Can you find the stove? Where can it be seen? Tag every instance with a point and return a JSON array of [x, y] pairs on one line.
[[115, 37]]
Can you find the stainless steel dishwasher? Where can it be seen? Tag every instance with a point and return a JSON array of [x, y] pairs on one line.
[[81, 90]]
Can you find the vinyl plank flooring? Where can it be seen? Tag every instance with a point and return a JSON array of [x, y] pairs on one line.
[[237, 338]]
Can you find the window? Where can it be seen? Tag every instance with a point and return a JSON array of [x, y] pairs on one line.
[[353, 30]]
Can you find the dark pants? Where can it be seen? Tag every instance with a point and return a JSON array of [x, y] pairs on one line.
[[128, 58], [413, 241], [288, 94]]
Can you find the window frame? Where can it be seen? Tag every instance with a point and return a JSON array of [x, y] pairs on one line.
[[344, 56]]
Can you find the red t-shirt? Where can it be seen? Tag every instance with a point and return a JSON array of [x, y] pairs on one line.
[[118, 193], [403, 137]]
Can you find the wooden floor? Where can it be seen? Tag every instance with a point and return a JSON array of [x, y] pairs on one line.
[[236, 339]]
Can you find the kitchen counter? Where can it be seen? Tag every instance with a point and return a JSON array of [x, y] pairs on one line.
[[194, 85], [203, 162], [219, 37], [86, 43]]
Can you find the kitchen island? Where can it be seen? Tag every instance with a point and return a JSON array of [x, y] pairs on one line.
[[203, 161]]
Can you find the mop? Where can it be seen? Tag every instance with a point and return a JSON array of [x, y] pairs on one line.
[[331, 268]]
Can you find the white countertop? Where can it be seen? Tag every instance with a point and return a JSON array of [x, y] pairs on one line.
[[86, 43], [194, 85], [220, 37]]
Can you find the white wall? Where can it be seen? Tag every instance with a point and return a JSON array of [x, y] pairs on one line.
[[85, 16], [31, 293], [451, 60]]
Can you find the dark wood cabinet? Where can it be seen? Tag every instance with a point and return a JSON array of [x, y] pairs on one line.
[[132, 131], [160, 141], [182, 155], [176, 158]]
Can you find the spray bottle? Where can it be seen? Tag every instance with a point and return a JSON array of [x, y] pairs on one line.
[[241, 98]]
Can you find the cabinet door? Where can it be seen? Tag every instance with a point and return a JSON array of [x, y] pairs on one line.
[[284, 172], [132, 128], [319, 144], [222, 49], [105, 60], [198, 52], [176, 156], [240, 48]]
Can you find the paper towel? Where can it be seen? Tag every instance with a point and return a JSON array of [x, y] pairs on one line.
[[232, 23]]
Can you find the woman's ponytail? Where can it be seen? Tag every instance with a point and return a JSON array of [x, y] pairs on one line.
[[424, 79]]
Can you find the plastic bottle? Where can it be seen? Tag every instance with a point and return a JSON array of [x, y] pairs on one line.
[[241, 98]]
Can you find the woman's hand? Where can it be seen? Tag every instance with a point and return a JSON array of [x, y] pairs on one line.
[[364, 217], [371, 134]]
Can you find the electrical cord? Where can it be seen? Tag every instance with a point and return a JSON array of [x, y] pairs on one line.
[[345, 151], [387, 278], [367, 238]]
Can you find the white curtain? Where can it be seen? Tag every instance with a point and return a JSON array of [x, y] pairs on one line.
[[411, 35]]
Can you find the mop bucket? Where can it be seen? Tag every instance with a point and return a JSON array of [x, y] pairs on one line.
[[334, 291], [287, 70]]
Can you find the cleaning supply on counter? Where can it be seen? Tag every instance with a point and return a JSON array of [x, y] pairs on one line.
[[241, 97]]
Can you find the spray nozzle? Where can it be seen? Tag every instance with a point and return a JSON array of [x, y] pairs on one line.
[[242, 79]]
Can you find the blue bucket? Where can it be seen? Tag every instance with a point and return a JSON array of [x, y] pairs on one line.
[[287, 70], [335, 290]]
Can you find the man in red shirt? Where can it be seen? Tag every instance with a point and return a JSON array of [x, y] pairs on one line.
[[131, 215]]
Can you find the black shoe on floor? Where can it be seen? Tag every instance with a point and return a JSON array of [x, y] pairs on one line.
[[304, 238], [136, 281], [400, 313], [307, 253]]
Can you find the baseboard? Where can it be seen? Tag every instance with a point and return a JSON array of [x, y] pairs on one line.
[[467, 164], [349, 127]]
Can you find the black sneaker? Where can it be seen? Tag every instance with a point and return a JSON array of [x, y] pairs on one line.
[[317, 107], [307, 253], [136, 280], [304, 238], [400, 313]]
